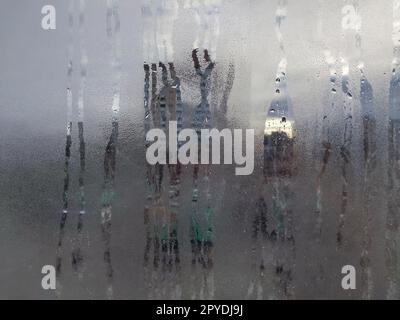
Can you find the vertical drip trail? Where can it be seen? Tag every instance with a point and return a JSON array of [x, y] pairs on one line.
[[273, 226], [202, 219], [149, 176], [116, 59], [392, 220], [107, 201], [369, 153], [113, 30], [326, 143], [70, 56], [77, 257], [163, 96], [157, 212], [167, 13], [326, 148], [179, 105], [280, 16], [83, 60], [168, 219], [176, 113], [154, 180], [161, 220], [369, 146], [282, 142], [65, 196], [259, 235], [228, 88], [149, 36], [345, 152], [348, 108]]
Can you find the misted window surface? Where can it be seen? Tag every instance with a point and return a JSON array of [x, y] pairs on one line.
[[199, 149]]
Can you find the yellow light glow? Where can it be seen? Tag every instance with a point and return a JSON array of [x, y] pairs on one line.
[[277, 125]]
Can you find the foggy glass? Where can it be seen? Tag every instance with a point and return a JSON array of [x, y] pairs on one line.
[[318, 82]]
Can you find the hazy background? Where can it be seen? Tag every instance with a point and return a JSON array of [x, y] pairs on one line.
[[33, 65]]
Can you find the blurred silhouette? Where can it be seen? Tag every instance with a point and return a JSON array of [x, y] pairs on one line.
[[202, 214], [161, 219]]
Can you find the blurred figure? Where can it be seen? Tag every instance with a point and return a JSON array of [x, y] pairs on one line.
[[160, 214], [202, 215]]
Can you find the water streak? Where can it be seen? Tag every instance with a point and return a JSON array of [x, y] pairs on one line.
[[113, 34], [392, 220]]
